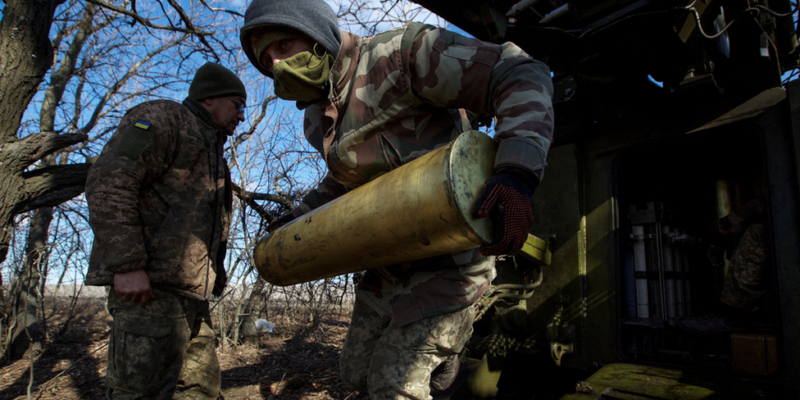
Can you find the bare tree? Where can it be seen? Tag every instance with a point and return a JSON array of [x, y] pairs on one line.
[[108, 55], [368, 17]]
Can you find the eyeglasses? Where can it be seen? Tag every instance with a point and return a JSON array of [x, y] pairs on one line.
[[239, 105]]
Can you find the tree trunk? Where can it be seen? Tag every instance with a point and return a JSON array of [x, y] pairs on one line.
[[249, 332], [26, 54], [26, 289], [26, 296]]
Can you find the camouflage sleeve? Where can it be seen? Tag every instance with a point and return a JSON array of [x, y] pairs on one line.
[[450, 70], [139, 151], [326, 191], [315, 125]]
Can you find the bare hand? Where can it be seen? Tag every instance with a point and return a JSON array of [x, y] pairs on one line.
[[133, 286]]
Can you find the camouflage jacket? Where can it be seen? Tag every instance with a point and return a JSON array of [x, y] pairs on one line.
[[160, 200], [401, 94]]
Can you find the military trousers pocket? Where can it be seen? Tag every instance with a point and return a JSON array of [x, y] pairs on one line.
[[140, 356]]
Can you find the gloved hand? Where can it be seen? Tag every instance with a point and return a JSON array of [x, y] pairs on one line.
[[507, 198], [445, 374], [279, 222]]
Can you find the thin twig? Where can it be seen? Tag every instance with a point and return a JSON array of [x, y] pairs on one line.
[[146, 22]]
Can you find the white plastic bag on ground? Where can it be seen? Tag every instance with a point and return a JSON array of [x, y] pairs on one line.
[[263, 325]]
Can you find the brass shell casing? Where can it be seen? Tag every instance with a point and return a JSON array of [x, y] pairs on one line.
[[422, 209]]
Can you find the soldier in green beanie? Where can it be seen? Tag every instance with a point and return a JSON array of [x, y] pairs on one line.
[[159, 204]]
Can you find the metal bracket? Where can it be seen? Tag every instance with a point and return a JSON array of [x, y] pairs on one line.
[[557, 351], [495, 21]]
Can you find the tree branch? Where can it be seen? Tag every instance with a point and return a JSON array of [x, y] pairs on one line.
[[146, 22], [245, 135], [51, 186], [188, 22], [251, 197], [66, 70], [19, 154], [221, 9], [113, 89]]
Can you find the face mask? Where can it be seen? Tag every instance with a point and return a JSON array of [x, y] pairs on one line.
[[302, 77]]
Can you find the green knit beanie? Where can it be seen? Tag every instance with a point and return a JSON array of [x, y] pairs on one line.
[[214, 80]]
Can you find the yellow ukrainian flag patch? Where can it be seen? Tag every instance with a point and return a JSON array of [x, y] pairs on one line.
[[142, 124]]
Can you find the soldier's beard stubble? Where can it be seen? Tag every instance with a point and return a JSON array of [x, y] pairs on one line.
[[224, 128]]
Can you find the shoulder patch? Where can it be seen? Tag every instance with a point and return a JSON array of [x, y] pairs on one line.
[[142, 124], [134, 140]]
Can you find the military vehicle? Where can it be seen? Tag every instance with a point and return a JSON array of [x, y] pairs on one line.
[[669, 116]]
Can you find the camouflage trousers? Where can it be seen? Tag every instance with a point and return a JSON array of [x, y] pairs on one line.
[[163, 349], [745, 282], [392, 362]]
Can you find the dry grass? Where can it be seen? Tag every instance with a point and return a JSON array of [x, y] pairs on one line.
[[299, 360]]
